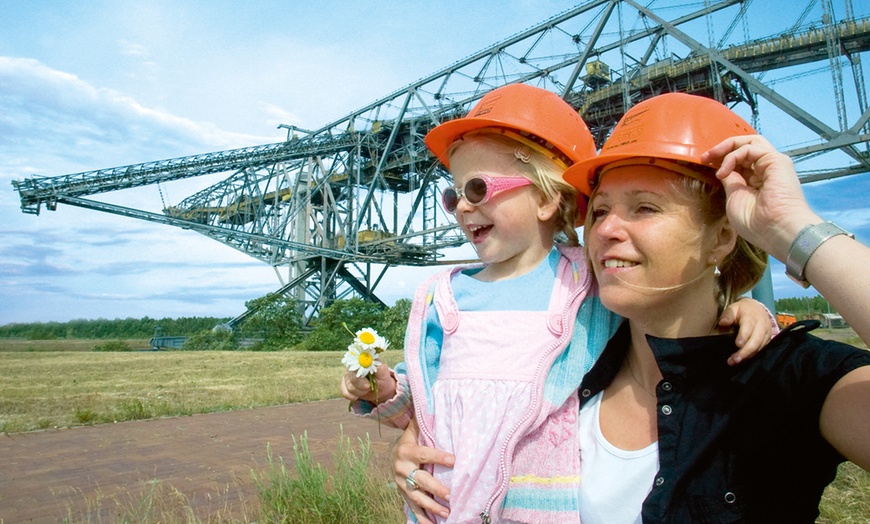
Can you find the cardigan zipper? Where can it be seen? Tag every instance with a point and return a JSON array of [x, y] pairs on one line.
[[485, 514]]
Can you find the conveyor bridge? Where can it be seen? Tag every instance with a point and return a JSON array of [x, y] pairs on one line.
[[340, 205]]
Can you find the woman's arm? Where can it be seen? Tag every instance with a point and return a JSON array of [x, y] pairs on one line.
[[845, 418], [766, 206]]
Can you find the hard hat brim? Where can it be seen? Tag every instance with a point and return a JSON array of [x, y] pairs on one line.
[[439, 139], [582, 174]]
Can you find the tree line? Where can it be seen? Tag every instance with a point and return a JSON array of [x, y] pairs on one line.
[[277, 324], [128, 328], [804, 306]]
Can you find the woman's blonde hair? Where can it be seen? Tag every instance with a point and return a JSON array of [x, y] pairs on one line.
[[744, 266], [545, 174]]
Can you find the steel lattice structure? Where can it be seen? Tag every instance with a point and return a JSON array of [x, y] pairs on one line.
[[341, 204]]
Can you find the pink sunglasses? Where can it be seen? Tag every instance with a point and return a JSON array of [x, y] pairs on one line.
[[480, 189]]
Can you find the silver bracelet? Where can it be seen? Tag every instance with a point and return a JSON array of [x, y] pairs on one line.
[[805, 244]]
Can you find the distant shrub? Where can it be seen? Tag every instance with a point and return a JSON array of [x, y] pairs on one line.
[[274, 325], [113, 345], [212, 340], [133, 409], [85, 416], [332, 326]]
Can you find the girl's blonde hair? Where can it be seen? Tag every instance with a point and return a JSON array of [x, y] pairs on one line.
[[545, 174]]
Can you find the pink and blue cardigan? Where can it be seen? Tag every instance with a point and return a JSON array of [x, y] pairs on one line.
[[543, 460]]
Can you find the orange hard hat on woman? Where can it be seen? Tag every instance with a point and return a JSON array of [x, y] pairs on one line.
[[676, 127], [534, 116]]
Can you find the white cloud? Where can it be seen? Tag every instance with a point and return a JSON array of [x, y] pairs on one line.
[[276, 115], [133, 49], [59, 114], [73, 263]]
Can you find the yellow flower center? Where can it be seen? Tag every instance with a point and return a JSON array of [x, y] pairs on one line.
[[365, 359], [367, 338]]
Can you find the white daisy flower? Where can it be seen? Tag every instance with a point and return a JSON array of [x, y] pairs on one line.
[[367, 337], [351, 356], [381, 344], [370, 339], [362, 360]]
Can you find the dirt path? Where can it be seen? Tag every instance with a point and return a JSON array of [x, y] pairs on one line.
[[84, 473]]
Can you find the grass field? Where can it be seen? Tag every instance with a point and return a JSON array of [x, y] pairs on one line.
[[58, 384], [48, 384]]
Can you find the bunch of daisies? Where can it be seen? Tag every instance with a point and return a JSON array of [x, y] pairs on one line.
[[363, 353]]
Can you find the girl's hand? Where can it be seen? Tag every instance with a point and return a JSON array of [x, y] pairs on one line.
[[407, 456], [355, 388], [755, 327]]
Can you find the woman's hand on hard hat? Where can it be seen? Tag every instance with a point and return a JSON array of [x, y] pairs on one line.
[[765, 203], [356, 388], [407, 456]]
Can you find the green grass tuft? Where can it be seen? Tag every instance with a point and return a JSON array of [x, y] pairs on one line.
[[351, 495], [847, 499]]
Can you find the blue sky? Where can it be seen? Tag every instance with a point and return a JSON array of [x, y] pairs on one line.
[[89, 85]]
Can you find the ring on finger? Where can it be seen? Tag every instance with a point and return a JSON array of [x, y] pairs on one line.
[[410, 483]]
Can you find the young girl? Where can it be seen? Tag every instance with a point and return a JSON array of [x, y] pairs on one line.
[[495, 352]]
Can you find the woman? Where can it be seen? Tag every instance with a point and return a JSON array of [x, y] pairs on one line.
[[669, 432]]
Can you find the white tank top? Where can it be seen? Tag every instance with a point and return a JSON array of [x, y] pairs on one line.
[[613, 482]]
